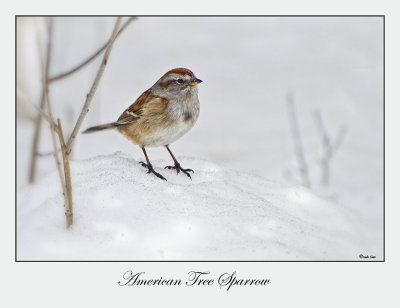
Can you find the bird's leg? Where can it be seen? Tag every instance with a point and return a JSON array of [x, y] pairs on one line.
[[177, 166], [149, 166]]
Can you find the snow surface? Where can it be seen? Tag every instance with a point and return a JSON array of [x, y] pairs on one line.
[[123, 213]]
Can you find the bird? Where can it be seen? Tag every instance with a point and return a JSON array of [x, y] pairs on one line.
[[160, 116]]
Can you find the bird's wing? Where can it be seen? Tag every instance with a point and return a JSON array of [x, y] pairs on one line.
[[145, 105]]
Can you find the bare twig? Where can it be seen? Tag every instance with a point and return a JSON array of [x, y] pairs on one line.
[[45, 78], [298, 147], [35, 143], [326, 149], [67, 173], [325, 138], [92, 57], [56, 154], [44, 115], [38, 120], [45, 67], [329, 148], [47, 118], [339, 138], [92, 91], [46, 154]]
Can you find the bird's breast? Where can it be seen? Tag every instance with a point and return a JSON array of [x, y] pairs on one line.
[[181, 119], [184, 111]]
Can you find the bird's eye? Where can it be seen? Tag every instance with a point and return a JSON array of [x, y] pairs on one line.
[[180, 80]]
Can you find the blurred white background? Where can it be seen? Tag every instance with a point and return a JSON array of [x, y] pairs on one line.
[[248, 65]]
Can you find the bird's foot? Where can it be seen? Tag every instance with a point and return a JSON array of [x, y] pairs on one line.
[[143, 164], [151, 170], [178, 168]]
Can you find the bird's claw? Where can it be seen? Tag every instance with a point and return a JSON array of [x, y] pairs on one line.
[[178, 169], [151, 170], [142, 164]]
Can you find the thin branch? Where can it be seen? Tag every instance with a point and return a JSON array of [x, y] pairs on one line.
[[45, 154], [45, 78], [35, 143], [56, 156], [67, 172], [93, 89], [49, 47], [339, 137], [44, 115], [328, 148], [325, 139], [45, 67], [91, 58], [38, 120], [298, 146]]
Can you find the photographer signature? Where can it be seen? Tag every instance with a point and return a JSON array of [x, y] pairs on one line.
[[362, 256]]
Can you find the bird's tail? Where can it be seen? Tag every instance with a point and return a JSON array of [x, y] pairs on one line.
[[100, 127]]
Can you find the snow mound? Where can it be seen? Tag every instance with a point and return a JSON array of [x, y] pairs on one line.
[[122, 213]]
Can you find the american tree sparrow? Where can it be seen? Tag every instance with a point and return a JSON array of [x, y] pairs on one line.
[[161, 115]]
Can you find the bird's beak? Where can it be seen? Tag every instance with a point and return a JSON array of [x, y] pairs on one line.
[[195, 81]]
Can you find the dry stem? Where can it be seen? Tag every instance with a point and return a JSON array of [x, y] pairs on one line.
[[44, 115], [298, 146], [67, 174], [91, 58], [38, 120], [92, 91], [329, 148], [45, 89], [35, 143]]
